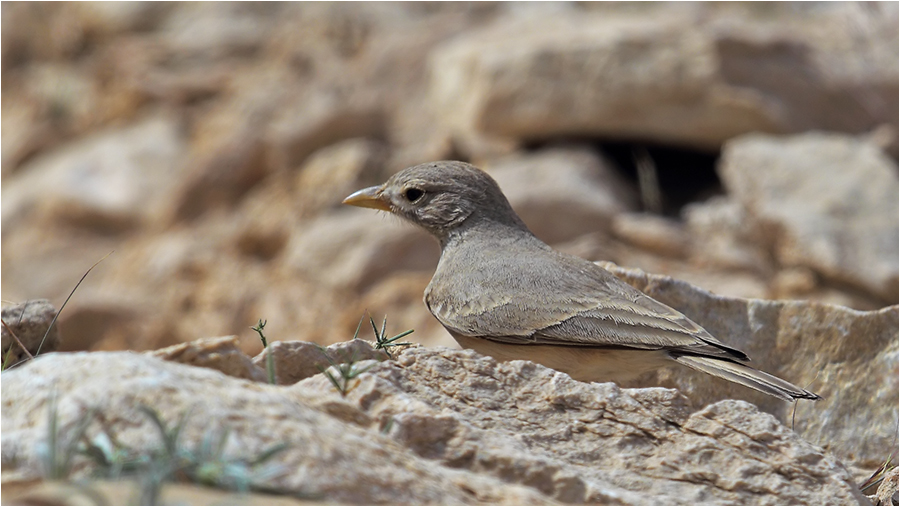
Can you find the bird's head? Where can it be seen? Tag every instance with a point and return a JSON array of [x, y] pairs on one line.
[[441, 197]]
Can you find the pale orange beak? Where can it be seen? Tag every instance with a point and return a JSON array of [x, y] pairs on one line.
[[368, 198]]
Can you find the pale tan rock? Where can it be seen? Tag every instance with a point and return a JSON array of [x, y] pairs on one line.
[[110, 181], [354, 249], [849, 357], [90, 321], [220, 177], [125, 492], [30, 322], [326, 457], [824, 201], [794, 282], [720, 236], [332, 173], [637, 75], [581, 443], [315, 122], [441, 426], [563, 192], [295, 361], [222, 354], [654, 233]]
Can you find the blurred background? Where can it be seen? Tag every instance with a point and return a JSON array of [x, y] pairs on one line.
[[750, 149]]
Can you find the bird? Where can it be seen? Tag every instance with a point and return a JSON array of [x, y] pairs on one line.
[[503, 292]]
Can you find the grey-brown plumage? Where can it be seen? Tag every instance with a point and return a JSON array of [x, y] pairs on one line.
[[500, 290]]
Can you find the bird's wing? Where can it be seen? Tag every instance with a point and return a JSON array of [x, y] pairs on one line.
[[581, 305]]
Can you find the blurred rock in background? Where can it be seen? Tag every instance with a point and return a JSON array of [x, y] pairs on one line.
[[750, 149]]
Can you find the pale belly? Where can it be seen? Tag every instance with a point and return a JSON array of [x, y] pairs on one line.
[[583, 364]]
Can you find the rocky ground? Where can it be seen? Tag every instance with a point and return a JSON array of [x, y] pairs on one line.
[[749, 149]]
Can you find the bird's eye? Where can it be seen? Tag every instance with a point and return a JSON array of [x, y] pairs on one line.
[[413, 194]]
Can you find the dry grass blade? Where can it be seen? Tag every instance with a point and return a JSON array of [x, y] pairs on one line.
[[67, 300], [16, 338]]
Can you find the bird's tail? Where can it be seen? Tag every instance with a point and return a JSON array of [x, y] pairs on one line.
[[747, 376]]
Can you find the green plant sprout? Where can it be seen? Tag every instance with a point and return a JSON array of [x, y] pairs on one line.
[[270, 359], [382, 342]]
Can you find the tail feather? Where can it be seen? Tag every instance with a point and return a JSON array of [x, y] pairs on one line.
[[747, 376]]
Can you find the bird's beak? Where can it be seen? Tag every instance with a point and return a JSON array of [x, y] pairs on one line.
[[368, 198]]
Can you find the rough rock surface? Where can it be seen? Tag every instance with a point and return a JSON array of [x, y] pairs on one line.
[[847, 356], [112, 181], [295, 361], [441, 426], [221, 354], [348, 249], [650, 78], [563, 192], [824, 201], [29, 321]]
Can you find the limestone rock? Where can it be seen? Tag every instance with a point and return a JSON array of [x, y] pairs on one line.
[[295, 361], [651, 232], [825, 201], [356, 248], [720, 235], [327, 457], [220, 177], [563, 192], [312, 123], [29, 321], [222, 354], [124, 492], [332, 173], [849, 357], [438, 426], [110, 181], [633, 75]]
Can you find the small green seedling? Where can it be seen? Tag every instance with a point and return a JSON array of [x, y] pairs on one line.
[[270, 358], [382, 342]]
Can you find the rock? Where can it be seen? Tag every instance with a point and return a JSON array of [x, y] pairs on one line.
[[332, 173], [847, 356], [654, 233], [123, 492], [60, 100], [824, 201], [887, 492], [448, 425], [221, 176], [29, 321], [109, 181], [563, 192], [356, 248], [326, 457], [636, 75], [720, 236], [204, 32], [815, 70], [646, 79], [313, 123], [222, 354], [295, 361], [94, 322]]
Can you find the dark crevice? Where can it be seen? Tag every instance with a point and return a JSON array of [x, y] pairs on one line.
[[684, 174]]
